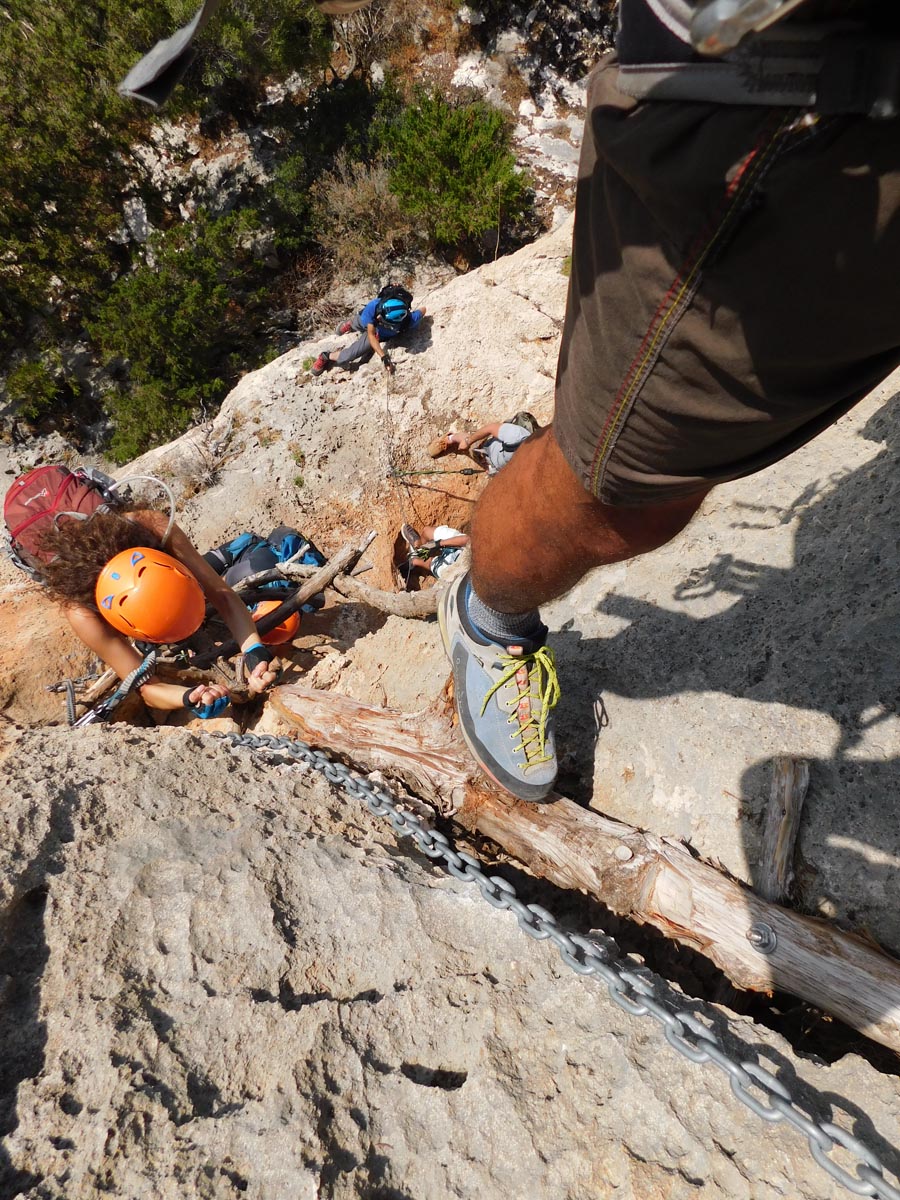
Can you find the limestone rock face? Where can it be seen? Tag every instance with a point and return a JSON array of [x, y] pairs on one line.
[[767, 628], [321, 451], [222, 978]]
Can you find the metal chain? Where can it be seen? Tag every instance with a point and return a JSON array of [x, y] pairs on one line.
[[632, 989]]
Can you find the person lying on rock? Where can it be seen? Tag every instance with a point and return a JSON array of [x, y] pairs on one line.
[[433, 551], [389, 315], [123, 576], [492, 446]]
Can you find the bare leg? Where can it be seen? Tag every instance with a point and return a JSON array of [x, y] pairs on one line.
[[536, 530]]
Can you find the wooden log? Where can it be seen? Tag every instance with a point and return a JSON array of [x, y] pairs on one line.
[[775, 873], [99, 688], [295, 572], [400, 604], [653, 880]]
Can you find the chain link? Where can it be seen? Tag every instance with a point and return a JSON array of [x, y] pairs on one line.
[[631, 989]]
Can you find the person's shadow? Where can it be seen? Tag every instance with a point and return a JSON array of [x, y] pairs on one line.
[[420, 339], [822, 636]]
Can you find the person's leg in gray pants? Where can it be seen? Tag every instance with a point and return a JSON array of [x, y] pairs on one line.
[[360, 349]]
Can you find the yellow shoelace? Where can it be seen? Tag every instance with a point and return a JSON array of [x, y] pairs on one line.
[[543, 686]]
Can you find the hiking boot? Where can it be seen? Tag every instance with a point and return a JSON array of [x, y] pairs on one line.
[[322, 363], [346, 327], [410, 536], [504, 697], [439, 446]]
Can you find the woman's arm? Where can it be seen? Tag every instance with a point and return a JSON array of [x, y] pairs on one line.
[[226, 601], [117, 652]]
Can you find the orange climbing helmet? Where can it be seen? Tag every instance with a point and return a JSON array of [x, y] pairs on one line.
[[285, 632], [149, 595]]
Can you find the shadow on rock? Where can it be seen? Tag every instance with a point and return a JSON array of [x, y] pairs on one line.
[[24, 953], [820, 636]]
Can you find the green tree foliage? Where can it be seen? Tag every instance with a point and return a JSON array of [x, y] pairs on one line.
[[59, 177], [33, 388], [65, 133], [453, 169], [178, 328], [252, 40]]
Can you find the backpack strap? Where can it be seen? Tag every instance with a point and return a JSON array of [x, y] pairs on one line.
[[833, 67]]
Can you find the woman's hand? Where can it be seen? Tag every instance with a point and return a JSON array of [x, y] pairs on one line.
[[259, 668], [262, 675], [206, 700], [459, 440]]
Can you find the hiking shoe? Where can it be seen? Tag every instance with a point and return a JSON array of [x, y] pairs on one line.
[[504, 697], [345, 328], [410, 536], [439, 446], [322, 363]]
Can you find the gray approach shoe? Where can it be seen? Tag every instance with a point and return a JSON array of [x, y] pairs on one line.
[[504, 697]]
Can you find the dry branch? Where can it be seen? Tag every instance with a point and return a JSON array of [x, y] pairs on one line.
[[400, 604], [340, 563], [98, 687], [295, 572], [651, 879], [776, 867]]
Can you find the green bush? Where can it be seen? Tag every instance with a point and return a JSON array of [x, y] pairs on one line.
[[338, 124], [254, 41], [33, 389], [453, 169], [180, 327], [290, 199], [149, 415]]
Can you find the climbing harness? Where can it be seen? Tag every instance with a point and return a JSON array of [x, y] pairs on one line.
[[749, 55], [395, 474], [634, 990], [104, 710]]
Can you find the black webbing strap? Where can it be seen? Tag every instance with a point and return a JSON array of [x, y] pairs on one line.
[[830, 69]]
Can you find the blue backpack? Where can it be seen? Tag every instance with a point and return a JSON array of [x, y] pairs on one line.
[[248, 553]]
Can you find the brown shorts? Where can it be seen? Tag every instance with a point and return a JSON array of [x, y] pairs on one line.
[[735, 288]]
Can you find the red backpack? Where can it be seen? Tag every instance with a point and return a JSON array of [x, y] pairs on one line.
[[39, 498]]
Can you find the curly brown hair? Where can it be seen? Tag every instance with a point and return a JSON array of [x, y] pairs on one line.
[[83, 548]]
